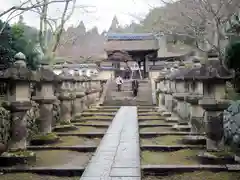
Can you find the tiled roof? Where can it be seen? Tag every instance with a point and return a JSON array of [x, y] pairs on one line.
[[130, 36]]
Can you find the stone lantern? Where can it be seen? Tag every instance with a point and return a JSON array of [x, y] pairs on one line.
[[45, 98], [66, 97], [80, 94], [214, 77], [18, 79], [181, 92], [159, 92]]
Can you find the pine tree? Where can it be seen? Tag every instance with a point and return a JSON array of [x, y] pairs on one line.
[[81, 28], [115, 25]]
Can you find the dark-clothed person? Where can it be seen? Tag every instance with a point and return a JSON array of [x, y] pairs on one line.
[[135, 85]]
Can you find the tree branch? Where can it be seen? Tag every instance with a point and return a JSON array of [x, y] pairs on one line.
[[32, 6]]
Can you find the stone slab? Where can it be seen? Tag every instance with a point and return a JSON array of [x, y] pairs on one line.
[[125, 172], [96, 178], [118, 154], [126, 163], [126, 178]]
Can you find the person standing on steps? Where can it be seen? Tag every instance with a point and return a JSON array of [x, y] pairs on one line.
[[135, 85], [127, 72], [119, 82]]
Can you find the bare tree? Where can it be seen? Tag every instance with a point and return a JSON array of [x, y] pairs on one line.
[[50, 28], [28, 5], [203, 20]]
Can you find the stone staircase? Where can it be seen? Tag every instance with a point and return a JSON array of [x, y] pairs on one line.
[[117, 142], [125, 97]]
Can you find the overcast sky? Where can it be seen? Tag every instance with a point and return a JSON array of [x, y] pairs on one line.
[[100, 12]]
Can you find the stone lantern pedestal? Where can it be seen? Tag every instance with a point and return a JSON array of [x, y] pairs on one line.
[[182, 111], [213, 120], [66, 96], [18, 79], [66, 99], [181, 108], [196, 113], [18, 139], [79, 101], [45, 98]]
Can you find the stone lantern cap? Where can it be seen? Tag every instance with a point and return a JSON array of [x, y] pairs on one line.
[[66, 76], [180, 96], [87, 78], [18, 72], [80, 94], [178, 74], [80, 79], [193, 98], [211, 71], [164, 74], [159, 78], [47, 75], [210, 104]]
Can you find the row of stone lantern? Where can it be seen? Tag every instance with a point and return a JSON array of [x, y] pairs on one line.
[[197, 95], [70, 92]]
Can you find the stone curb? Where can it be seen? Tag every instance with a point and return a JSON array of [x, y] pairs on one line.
[[154, 134], [169, 148], [73, 148], [89, 135]]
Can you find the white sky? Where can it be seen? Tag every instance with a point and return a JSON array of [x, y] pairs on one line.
[[100, 13]]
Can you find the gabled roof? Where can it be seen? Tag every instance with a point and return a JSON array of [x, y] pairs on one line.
[[130, 36]]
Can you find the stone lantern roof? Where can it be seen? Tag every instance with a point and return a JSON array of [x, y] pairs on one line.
[[18, 72], [66, 75], [47, 75], [210, 71]]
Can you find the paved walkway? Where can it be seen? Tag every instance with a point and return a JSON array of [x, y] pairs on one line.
[[118, 155]]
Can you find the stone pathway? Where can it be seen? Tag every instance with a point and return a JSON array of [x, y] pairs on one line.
[[118, 155], [125, 97]]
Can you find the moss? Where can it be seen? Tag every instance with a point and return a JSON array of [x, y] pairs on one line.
[[140, 109], [183, 157], [154, 122], [222, 154], [19, 153], [89, 129], [74, 140], [49, 136], [29, 176], [65, 123], [149, 113], [162, 140], [64, 126], [103, 113], [96, 117], [109, 109], [150, 117], [96, 122], [46, 158], [198, 175], [156, 129]]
